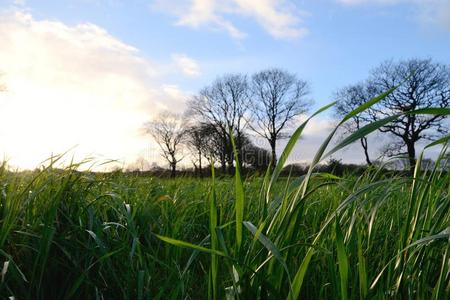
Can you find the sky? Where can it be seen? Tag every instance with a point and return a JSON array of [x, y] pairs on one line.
[[84, 75]]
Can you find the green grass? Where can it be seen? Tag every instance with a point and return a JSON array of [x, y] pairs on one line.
[[66, 234], [76, 235]]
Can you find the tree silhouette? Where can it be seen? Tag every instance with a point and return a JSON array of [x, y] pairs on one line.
[[168, 132], [348, 99], [199, 140], [421, 83], [278, 97], [223, 105]]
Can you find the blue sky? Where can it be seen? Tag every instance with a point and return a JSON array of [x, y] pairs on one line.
[[343, 42], [181, 46]]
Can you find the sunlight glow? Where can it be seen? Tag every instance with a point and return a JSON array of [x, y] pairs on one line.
[[73, 86]]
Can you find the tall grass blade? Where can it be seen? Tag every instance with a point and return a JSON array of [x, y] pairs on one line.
[[343, 261], [184, 244], [362, 273], [213, 223], [290, 146], [297, 282], [445, 234], [239, 204], [270, 247], [318, 156]]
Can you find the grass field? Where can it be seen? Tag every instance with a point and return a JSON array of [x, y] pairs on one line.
[[67, 234]]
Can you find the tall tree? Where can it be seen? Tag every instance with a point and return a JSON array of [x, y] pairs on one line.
[[422, 84], [348, 99], [199, 142], [278, 97], [168, 132], [194, 142], [224, 105], [217, 146]]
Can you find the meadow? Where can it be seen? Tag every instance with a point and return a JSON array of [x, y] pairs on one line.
[[67, 234]]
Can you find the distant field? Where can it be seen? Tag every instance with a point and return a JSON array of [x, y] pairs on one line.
[[66, 234]]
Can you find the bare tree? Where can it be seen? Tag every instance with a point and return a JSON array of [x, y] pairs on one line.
[[278, 97], [198, 140], [168, 132], [195, 143], [253, 156], [216, 145], [348, 99], [224, 105], [422, 84]]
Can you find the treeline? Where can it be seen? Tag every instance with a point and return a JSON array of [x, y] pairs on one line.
[[333, 166], [397, 167], [266, 105], [233, 106]]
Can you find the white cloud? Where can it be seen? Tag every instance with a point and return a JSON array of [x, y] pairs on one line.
[[188, 66], [174, 95], [435, 12], [19, 2], [281, 19], [74, 85], [428, 12]]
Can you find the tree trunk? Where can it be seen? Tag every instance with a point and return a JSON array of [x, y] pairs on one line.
[[173, 171], [411, 156], [230, 159], [231, 166], [200, 173], [273, 145], [223, 157], [223, 165], [195, 168], [365, 146]]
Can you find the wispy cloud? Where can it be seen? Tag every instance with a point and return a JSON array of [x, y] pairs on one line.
[[428, 12], [19, 2], [187, 65], [281, 19], [436, 12], [74, 85]]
